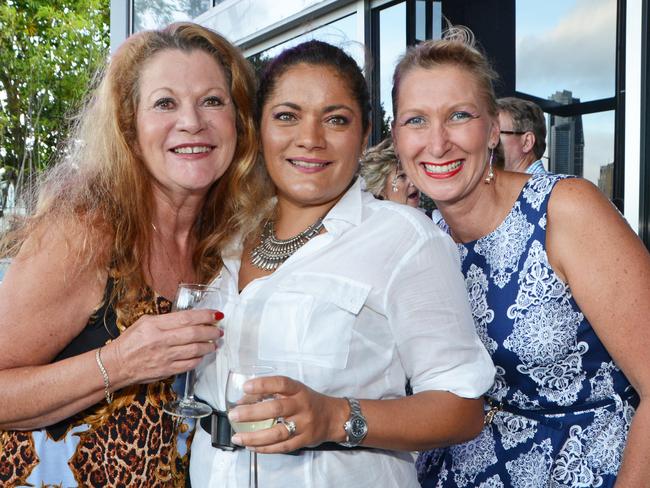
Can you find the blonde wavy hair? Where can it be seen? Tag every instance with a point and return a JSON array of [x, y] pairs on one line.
[[102, 184], [376, 165]]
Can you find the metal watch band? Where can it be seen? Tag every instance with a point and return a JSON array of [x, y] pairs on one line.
[[353, 439], [355, 406]]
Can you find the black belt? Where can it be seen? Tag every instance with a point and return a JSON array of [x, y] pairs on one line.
[[218, 426]]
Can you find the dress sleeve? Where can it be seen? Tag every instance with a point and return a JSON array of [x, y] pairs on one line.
[[430, 317]]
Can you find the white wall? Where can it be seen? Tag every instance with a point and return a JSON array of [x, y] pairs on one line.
[[633, 31]]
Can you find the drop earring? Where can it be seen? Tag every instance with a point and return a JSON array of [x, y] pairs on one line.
[[393, 185], [490, 175]]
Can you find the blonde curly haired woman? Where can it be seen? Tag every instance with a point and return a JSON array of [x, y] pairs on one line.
[[384, 177]]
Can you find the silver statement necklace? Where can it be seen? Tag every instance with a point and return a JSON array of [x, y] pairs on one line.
[[271, 252]]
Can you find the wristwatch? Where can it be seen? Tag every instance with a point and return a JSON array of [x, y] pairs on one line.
[[356, 426]]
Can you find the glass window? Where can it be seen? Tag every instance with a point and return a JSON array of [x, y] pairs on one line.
[[566, 45], [583, 145], [436, 7], [599, 150], [420, 20], [153, 14], [341, 33], [392, 42], [428, 27], [566, 55]]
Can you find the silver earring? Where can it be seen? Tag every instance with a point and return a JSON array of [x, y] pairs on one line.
[[490, 175], [393, 185]]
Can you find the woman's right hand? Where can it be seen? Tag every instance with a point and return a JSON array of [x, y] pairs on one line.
[[160, 346]]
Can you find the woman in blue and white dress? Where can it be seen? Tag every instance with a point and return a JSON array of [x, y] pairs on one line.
[[558, 285]]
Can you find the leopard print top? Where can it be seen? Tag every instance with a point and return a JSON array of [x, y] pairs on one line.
[[130, 442]]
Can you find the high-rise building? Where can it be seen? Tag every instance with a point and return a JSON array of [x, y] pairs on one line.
[[566, 138], [606, 179]]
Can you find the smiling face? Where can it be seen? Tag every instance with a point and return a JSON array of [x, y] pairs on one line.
[[186, 131], [406, 192], [312, 136], [443, 131]]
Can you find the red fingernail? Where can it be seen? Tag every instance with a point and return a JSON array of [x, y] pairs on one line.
[[218, 315]]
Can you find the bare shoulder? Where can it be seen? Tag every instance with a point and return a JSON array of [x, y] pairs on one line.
[[48, 293], [587, 234], [578, 212], [576, 196]]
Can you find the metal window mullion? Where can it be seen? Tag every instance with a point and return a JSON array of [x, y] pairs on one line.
[[644, 175]]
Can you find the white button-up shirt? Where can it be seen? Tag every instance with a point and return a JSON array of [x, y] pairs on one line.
[[375, 301]]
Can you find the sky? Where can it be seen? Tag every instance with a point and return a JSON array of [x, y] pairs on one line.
[[571, 45]]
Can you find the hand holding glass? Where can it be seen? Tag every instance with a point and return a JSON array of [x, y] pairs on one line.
[[235, 396], [191, 296]]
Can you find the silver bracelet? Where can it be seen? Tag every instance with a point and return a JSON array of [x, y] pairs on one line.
[[102, 369]]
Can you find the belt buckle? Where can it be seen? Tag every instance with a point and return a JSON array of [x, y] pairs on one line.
[[221, 432], [495, 407]]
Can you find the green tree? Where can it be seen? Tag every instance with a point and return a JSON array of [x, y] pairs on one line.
[[49, 52], [259, 62]]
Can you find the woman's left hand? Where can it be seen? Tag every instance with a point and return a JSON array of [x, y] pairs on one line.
[[317, 418]]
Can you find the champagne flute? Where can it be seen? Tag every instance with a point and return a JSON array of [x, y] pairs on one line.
[[236, 396], [191, 296]]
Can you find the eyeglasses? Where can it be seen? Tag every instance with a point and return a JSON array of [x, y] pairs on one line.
[[513, 132]]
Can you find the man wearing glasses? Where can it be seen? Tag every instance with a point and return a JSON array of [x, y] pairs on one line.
[[523, 135]]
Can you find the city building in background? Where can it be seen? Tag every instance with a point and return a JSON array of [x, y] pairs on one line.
[[585, 62], [606, 179], [566, 140]]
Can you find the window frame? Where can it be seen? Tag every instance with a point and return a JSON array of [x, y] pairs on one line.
[[644, 176]]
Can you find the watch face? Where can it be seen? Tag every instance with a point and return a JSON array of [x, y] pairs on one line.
[[358, 426]]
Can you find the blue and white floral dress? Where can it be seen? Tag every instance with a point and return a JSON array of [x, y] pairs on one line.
[[564, 407]]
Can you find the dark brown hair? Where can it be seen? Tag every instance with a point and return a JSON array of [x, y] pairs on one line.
[[317, 53]]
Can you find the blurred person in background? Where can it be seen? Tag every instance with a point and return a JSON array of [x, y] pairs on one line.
[[523, 135], [383, 175]]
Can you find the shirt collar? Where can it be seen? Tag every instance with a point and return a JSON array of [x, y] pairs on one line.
[[536, 167], [348, 210]]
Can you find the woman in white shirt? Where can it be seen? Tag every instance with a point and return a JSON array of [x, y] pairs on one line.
[[370, 298]]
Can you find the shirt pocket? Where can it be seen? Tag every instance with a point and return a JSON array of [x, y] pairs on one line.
[[310, 319]]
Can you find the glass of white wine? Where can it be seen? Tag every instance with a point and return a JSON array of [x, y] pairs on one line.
[[235, 396], [191, 296]]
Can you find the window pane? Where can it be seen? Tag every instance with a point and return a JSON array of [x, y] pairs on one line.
[[599, 150], [153, 14], [392, 42], [436, 8], [566, 45], [341, 33], [421, 31], [583, 145], [420, 20]]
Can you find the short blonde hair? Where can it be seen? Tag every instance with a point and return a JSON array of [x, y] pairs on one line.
[[456, 48], [376, 165]]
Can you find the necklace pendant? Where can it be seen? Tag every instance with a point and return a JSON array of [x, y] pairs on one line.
[[271, 252]]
